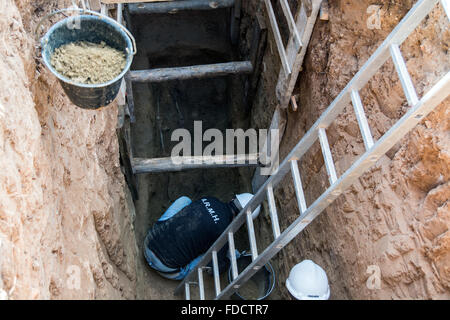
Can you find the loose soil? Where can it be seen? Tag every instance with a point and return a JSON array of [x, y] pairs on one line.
[[87, 62]]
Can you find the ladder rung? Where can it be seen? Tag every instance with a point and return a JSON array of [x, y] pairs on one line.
[[302, 19], [251, 235], [291, 23], [176, 6], [327, 156], [216, 272], [192, 72], [298, 186], [273, 212], [277, 35], [232, 250], [362, 119], [187, 291], [405, 78], [201, 287]]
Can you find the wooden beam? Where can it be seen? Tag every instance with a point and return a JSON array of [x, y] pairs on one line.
[[132, 1], [158, 165], [257, 50], [175, 6], [193, 72], [236, 22], [125, 157], [130, 97]]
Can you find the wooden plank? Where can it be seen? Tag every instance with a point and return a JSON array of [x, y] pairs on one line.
[[236, 22], [125, 157], [192, 72], [196, 162], [130, 97], [176, 6], [257, 50], [132, 1]]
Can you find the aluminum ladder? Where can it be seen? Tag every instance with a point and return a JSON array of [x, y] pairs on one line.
[[419, 109]]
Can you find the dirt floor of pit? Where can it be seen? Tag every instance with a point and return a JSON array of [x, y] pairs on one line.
[[189, 39]]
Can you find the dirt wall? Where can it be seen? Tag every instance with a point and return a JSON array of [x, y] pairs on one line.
[[395, 219], [65, 230]]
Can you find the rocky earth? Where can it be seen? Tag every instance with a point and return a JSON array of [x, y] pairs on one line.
[[65, 230], [388, 235]]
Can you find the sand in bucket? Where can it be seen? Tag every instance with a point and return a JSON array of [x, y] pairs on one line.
[[88, 63]]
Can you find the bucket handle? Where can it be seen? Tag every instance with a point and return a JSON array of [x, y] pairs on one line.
[[133, 40]]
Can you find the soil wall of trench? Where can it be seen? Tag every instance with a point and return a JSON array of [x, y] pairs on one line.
[[65, 226], [393, 223], [65, 231]]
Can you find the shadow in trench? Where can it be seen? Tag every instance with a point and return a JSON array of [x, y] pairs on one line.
[[185, 40]]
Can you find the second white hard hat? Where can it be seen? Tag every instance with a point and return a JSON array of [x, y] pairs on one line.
[[244, 199], [308, 281]]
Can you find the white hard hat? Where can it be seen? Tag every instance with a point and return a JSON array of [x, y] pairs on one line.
[[308, 281], [244, 199]]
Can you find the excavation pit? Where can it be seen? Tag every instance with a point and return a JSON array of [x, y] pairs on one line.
[[192, 38]]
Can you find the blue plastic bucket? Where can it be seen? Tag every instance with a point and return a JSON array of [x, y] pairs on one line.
[[93, 29]]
